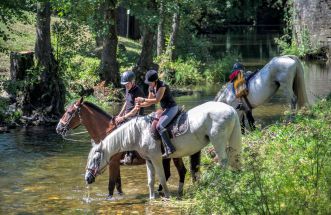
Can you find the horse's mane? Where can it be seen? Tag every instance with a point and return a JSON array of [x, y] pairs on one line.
[[98, 109], [225, 87]]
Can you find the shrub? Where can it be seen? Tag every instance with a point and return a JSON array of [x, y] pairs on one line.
[[219, 70], [182, 72], [286, 170]]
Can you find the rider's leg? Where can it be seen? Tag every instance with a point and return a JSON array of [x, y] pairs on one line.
[[165, 119]]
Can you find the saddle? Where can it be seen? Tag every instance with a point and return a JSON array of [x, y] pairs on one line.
[[179, 125]]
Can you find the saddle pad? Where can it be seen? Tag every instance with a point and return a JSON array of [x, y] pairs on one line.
[[178, 126]]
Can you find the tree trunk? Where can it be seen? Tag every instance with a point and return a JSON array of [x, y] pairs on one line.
[[171, 49], [109, 65], [160, 31], [19, 63], [145, 61], [45, 93]]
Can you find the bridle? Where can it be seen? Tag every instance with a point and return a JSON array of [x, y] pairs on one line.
[[66, 127], [98, 171]]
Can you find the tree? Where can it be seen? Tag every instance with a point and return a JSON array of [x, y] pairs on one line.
[[160, 30], [109, 64], [45, 91], [173, 35], [146, 12]]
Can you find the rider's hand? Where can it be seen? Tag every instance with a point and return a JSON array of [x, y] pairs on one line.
[[139, 100], [137, 107], [119, 119]]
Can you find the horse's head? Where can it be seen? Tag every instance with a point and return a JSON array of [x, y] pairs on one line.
[[70, 119], [227, 95], [96, 163]]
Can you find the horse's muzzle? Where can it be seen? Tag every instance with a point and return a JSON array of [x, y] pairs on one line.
[[60, 129], [89, 177]]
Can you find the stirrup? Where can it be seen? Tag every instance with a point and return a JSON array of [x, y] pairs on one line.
[[167, 153]]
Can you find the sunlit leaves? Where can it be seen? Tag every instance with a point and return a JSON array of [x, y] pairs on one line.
[[286, 170]]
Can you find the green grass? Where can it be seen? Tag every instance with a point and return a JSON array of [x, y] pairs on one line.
[[286, 169]]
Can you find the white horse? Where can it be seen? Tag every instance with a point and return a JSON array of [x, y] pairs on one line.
[[213, 122], [284, 71]]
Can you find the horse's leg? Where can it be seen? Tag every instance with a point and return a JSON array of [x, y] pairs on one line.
[[166, 166], [243, 124], [151, 178], [293, 100], [194, 165], [157, 163], [181, 172], [114, 175], [219, 142], [119, 181], [251, 120]]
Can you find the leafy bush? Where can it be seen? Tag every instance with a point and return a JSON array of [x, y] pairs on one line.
[[219, 70], [286, 170], [182, 72], [82, 71]]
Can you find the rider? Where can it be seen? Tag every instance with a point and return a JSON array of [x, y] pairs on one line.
[[128, 111], [160, 92], [236, 69], [132, 92]]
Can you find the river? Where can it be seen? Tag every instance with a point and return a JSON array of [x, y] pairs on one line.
[[40, 173]]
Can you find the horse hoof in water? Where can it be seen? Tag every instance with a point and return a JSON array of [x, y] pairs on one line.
[[110, 198], [160, 193], [165, 199]]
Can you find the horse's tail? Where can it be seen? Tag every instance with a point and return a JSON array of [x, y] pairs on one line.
[[235, 144], [299, 83]]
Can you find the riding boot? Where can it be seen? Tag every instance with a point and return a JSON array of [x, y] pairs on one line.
[[168, 147]]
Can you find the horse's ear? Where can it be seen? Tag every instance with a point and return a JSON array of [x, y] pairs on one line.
[[93, 143], [80, 101]]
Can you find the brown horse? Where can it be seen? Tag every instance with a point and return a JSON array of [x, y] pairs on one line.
[[99, 124]]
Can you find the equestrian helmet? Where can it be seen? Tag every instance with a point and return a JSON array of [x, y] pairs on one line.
[[127, 77], [151, 76], [238, 66]]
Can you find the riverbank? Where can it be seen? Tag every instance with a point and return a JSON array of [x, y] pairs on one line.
[[286, 170]]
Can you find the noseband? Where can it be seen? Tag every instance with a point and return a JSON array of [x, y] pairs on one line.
[[98, 171], [65, 126]]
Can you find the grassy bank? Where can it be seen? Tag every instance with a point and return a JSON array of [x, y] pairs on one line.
[[286, 170]]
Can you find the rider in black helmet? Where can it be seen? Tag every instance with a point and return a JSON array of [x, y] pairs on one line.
[[128, 111], [160, 92], [132, 92]]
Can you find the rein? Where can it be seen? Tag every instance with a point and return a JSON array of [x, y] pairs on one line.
[[73, 134]]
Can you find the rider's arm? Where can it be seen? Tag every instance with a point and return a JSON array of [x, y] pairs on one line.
[[122, 110], [152, 99], [130, 114]]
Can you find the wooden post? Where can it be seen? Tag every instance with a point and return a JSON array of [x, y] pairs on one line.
[[19, 63]]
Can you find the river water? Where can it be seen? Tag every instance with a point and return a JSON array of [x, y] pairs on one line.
[[40, 173]]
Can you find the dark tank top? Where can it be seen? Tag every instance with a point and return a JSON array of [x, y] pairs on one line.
[[167, 100]]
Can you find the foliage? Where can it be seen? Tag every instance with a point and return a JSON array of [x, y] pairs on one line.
[[82, 72], [219, 70], [286, 169], [197, 48], [182, 72], [7, 115], [295, 43], [12, 11]]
